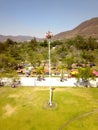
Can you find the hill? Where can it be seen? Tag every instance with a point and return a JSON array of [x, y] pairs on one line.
[[85, 29], [15, 38], [18, 38]]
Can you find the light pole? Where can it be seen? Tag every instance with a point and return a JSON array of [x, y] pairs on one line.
[[48, 36]]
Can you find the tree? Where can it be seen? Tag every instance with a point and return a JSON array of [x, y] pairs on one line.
[[88, 56], [62, 51], [91, 43], [2, 47], [54, 59], [85, 74], [40, 72], [33, 44], [61, 68], [79, 42], [44, 44], [9, 42]]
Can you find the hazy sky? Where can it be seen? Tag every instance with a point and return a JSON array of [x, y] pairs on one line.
[[36, 17]]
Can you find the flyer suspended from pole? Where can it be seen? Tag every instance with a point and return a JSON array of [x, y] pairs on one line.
[[49, 35]]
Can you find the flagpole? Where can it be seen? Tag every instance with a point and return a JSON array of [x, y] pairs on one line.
[[48, 36]]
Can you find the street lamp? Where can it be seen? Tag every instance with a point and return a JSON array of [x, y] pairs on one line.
[[48, 36]]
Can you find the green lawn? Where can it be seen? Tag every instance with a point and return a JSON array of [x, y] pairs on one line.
[[23, 109]]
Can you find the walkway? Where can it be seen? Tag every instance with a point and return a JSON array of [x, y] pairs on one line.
[[31, 81]]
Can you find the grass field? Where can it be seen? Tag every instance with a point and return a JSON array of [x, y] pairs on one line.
[[23, 109]]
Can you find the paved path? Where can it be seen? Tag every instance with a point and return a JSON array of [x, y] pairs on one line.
[[31, 81]]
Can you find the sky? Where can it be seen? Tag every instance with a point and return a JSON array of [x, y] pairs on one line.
[[36, 17]]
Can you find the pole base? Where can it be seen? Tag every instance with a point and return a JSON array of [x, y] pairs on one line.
[[50, 103], [49, 106]]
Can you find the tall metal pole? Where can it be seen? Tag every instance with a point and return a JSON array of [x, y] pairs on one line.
[[48, 36], [50, 100]]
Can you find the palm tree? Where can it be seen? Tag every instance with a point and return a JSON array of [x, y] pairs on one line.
[[40, 72], [61, 68]]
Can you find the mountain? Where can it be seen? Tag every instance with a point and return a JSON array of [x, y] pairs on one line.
[[15, 38], [86, 29], [18, 38]]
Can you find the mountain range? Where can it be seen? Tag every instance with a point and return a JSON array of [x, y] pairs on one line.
[[86, 29]]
